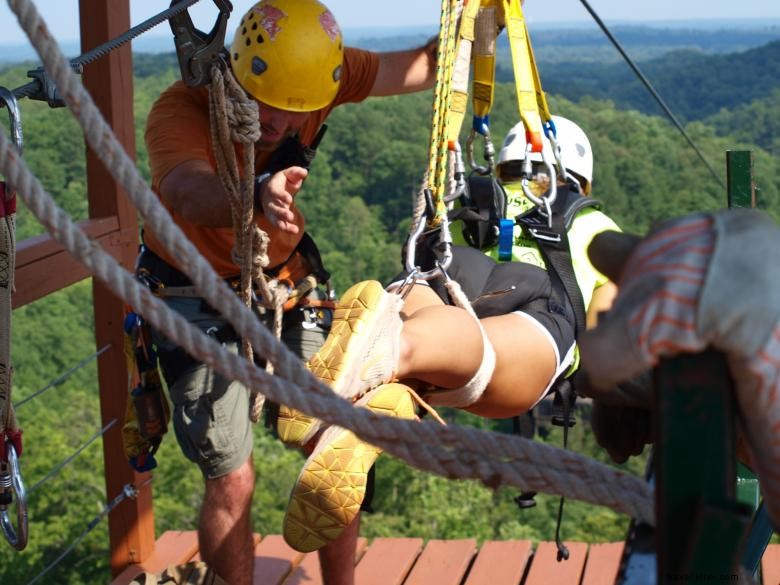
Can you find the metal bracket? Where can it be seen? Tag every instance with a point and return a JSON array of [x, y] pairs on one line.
[[198, 51]]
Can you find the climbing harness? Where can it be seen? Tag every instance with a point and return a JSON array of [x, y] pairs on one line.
[[11, 481], [482, 199]]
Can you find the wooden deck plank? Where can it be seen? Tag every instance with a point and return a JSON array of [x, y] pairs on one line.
[[545, 568], [770, 565], [388, 561], [274, 560], [500, 563], [603, 563], [443, 562], [308, 570], [172, 548]]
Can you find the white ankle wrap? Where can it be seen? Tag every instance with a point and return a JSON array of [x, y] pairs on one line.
[[469, 393]]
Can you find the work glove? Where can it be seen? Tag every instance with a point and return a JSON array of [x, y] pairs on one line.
[[700, 281]]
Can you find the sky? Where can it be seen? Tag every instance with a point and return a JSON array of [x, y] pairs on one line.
[[62, 15]]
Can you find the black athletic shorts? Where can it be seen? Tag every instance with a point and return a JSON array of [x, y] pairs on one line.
[[498, 288]]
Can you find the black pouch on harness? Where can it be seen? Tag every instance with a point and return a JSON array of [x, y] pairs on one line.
[[483, 207]]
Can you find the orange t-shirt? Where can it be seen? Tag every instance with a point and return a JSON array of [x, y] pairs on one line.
[[177, 131]]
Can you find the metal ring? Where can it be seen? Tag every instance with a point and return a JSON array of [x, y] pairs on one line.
[[16, 537]]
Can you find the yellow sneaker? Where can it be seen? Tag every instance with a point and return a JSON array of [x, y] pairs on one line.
[[361, 352], [295, 427], [331, 487]]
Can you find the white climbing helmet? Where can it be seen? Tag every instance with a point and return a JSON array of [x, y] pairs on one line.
[[576, 152]]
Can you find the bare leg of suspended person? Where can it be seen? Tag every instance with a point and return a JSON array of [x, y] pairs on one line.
[[443, 346], [224, 529]]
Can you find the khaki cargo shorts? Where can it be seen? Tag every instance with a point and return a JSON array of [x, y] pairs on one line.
[[210, 412]]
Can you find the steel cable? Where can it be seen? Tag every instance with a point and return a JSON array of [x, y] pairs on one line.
[[56, 469], [128, 491], [64, 376], [667, 110]]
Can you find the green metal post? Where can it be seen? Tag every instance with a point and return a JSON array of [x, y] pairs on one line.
[[739, 178], [701, 526], [742, 193]]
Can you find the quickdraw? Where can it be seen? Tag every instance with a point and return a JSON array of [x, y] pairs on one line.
[[11, 481], [196, 50]]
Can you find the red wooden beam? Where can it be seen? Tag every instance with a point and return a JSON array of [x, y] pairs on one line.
[[110, 81], [44, 267]]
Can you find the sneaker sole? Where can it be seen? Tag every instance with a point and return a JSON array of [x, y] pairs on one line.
[[364, 306], [295, 427], [331, 487]]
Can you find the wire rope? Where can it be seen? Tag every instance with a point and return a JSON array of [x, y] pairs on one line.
[[128, 491], [667, 110], [34, 87], [56, 469], [64, 376]]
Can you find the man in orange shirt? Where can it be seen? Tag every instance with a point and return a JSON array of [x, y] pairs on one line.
[[288, 55]]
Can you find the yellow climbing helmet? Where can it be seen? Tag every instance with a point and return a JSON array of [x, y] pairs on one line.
[[288, 54]]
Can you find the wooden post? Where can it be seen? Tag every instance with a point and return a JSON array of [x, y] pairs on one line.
[[110, 81]]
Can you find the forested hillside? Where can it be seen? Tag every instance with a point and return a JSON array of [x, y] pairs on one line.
[[694, 84], [358, 204]]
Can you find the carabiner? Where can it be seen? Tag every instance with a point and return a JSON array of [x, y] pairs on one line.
[[444, 251], [545, 201], [8, 99], [552, 136], [458, 172], [480, 126], [11, 482], [196, 50]]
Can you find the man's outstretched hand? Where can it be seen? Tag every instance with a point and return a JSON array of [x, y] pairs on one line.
[[278, 195]]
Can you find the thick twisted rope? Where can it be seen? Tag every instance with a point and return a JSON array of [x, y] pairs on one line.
[[452, 452], [234, 118]]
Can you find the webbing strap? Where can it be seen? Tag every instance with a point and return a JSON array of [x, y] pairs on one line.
[[8, 424], [485, 58], [461, 70], [531, 102], [7, 266]]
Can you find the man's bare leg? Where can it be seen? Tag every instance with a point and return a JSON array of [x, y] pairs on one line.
[[224, 529], [337, 559]]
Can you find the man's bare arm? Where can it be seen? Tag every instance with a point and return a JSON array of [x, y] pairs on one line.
[[195, 193], [406, 71]]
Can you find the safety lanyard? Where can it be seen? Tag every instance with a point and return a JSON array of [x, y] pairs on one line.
[[531, 101], [7, 266], [11, 481]]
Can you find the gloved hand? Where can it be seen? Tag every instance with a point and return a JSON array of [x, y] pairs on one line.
[[704, 280]]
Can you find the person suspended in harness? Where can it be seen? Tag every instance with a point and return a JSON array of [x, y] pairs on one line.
[[289, 58], [495, 355]]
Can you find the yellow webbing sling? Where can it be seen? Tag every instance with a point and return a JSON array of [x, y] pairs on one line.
[[531, 100]]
